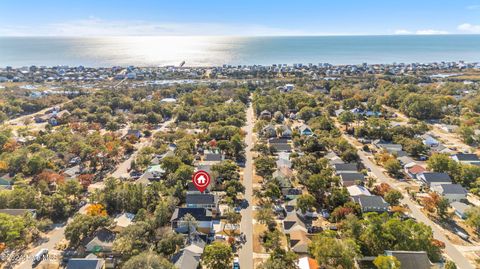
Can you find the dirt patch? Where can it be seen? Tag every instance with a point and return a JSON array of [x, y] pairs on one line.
[[258, 230]]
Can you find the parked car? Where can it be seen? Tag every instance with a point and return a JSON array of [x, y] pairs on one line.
[[236, 263], [40, 256]]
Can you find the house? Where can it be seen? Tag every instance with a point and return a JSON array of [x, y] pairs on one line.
[[434, 178], [285, 131], [372, 203], [100, 241], [284, 160], [5, 182], [202, 216], [293, 222], [269, 131], [73, 171], [452, 192], [191, 189], [429, 141], [307, 263], [305, 130], [405, 160], [464, 158], [135, 133], [153, 173], [19, 212], [460, 209], [280, 147], [86, 263], [357, 190], [448, 128], [200, 200], [349, 179], [345, 168], [414, 170], [189, 256], [186, 259], [265, 115], [388, 147], [122, 221], [412, 259], [333, 158], [291, 193], [299, 242], [213, 157]]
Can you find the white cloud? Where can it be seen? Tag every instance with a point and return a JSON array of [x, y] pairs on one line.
[[473, 7], [470, 28], [402, 32], [431, 32], [98, 27]]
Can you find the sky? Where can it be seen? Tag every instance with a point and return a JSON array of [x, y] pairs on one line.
[[238, 18]]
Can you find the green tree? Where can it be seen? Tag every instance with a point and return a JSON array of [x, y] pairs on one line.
[[442, 207], [393, 197], [386, 262], [305, 202], [280, 259], [346, 118], [392, 166], [473, 217], [150, 260], [332, 252], [264, 166], [217, 255], [450, 265]]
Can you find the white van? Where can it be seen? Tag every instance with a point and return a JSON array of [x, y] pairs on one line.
[[42, 254]]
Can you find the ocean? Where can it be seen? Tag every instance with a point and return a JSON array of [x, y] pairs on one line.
[[214, 51]]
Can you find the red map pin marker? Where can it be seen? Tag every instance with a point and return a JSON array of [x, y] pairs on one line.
[[201, 179]]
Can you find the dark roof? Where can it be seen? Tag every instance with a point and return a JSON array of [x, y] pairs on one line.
[[200, 214], [197, 198], [278, 141], [351, 176], [345, 167], [467, 157], [281, 147], [371, 201], [436, 177], [17, 212], [411, 259], [76, 263], [453, 189], [217, 157]]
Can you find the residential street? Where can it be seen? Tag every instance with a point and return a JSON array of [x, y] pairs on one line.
[[246, 226], [57, 235], [438, 233]]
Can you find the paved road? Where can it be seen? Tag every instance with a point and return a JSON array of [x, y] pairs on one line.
[[122, 168], [438, 233], [246, 226], [52, 238]]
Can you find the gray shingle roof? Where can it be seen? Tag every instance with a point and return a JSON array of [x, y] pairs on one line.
[[467, 157], [85, 263], [453, 189], [345, 167], [411, 259], [197, 198], [200, 214], [436, 177]]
